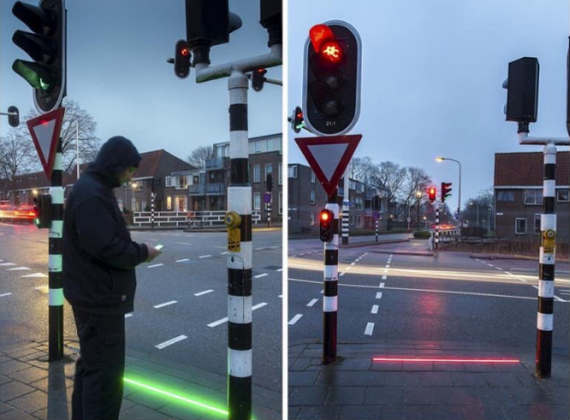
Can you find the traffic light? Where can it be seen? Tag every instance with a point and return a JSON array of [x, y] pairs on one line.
[[269, 182], [522, 90], [46, 46], [432, 193], [42, 209], [270, 19], [257, 79], [331, 88], [182, 59], [297, 121], [13, 116], [326, 222], [445, 190]]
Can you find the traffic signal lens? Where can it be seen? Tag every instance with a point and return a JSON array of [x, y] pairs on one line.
[[184, 52], [319, 34], [331, 52], [324, 217]]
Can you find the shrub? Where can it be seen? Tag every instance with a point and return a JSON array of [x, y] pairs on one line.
[[476, 231], [422, 234]]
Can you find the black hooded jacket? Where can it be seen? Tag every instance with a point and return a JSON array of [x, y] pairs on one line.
[[99, 257]]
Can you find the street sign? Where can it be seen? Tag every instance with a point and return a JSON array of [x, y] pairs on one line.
[[267, 198], [329, 157], [45, 131]]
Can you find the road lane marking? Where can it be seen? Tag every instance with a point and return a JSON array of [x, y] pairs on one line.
[[342, 274], [312, 302], [260, 275], [204, 256], [224, 320], [381, 285], [352, 263], [183, 243], [295, 319], [7, 264], [18, 269], [35, 275], [128, 315], [374, 309], [155, 265], [369, 328], [205, 292], [162, 305], [378, 295], [224, 253], [384, 277], [171, 342], [279, 269], [183, 260], [5, 294]]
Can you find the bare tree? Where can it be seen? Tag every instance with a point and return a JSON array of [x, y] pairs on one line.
[[199, 156], [391, 177], [17, 155], [364, 170], [78, 126]]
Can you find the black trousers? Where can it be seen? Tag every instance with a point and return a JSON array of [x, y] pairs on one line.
[[98, 388]]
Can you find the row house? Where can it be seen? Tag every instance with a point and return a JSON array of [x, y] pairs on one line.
[[518, 195], [307, 198]]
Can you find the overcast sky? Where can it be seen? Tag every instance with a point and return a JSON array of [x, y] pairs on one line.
[[117, 72], [431, 78]]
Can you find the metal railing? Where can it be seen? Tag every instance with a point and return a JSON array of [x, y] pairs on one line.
[[185, 219]]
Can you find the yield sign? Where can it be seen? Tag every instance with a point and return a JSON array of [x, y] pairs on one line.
[[328, 157], [45, 131]]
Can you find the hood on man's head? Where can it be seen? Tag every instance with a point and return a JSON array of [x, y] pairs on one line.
[[117, 154]]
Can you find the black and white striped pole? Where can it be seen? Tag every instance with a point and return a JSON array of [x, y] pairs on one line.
[[376, 227], [329, 235], [240, 255], [152, 209], [346, 208], [55, 243], [436, 244]]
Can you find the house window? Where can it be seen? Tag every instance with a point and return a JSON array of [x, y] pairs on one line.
[[313, 177], [537, 224], [182, 182], [292, 172], [257, 201], [520, 226], [256, 173], [168, 181], [169, 202], [562, 195], [532, 197], [280, 174], [312, 197], [505, 196]]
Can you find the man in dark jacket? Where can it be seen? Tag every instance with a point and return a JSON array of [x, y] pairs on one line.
[[99, 281]]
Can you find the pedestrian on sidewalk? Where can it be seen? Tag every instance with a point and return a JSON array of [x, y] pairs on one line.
[[99, 281]]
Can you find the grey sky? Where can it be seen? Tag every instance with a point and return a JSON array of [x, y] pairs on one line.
[[431, 78], [117, 71]]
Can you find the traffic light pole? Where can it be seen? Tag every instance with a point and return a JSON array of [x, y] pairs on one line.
[[436, 240], [330, 298], [346, 209], [55, 316]]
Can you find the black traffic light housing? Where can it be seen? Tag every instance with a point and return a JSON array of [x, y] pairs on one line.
[[445, 190], [270, 19], [42, 208], [182, 58], [47, 47], [208, 23], [258, 79], [13, 116], [432, 192], [326, 225], [522, 90], [331, 86], [297, 122]]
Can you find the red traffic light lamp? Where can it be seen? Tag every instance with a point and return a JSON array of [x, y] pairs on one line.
[[298, 120], [325, 45], [182, 59], [432, 192], [326, 225], [258, 79]]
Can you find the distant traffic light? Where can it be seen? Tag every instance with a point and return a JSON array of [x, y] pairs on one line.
[[331, 88], [258, 79], [445, 190], [13, 116], [42, 209], [522, 90], [46, 46], [297, 121], [326, 224], [182, 59], [432, 192], [269, 182]]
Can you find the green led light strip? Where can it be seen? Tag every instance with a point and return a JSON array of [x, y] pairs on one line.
[[177, 397]]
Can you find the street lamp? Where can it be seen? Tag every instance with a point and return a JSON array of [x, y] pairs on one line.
[[441, 159], [418, 200]]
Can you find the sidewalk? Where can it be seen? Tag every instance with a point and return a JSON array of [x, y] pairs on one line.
[[31, 388], [355, 387]]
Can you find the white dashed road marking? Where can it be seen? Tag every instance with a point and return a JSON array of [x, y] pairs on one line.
[[35, 275], [205, 256], [5, 294], [205, 292], [18, 269], [374, 309], [312, 302], [260, 275], [183, 260], [155, 265], [171, 342], [369, 328], [295, 319], [162, 305]]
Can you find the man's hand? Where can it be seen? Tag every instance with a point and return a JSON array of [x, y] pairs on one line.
[[152, 252]]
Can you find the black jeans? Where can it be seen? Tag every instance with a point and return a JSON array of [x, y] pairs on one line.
[[98, 388]]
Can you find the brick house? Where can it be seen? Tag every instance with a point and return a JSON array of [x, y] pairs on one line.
[[518, 186]]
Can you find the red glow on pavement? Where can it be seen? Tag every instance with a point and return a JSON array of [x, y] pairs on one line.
[[442, 360]]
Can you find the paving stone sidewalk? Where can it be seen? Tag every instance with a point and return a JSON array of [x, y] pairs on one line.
[[356, 388], [32, 389]]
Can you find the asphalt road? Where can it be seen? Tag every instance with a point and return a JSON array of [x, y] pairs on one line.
[[385, 294], [181, 300]]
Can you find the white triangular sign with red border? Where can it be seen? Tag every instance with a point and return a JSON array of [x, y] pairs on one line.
[[329, 157], [45, 131]]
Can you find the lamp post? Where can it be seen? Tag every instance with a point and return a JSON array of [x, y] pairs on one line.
[[418, 201], [441, 159]]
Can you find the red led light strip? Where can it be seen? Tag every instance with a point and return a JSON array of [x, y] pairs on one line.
[[428, 360]]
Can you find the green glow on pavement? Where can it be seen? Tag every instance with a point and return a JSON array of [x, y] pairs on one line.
[[175, 396]]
